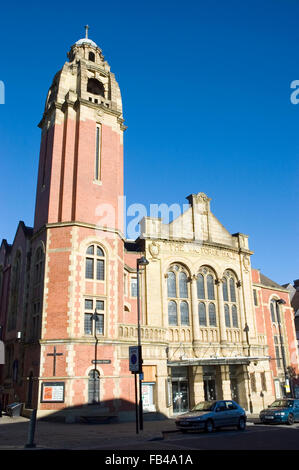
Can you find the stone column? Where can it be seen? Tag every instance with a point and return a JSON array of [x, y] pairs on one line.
[[194, 307], [226, 390], [223, 336], [196, 385]]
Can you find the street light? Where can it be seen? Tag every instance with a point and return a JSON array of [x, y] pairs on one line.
[[140, 262], [286, 375]]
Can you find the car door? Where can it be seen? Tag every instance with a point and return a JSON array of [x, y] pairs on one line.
[[220, 414], [233, 413], [296, 410]]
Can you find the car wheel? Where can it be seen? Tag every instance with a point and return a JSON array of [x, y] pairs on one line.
[[242, 424], [290, 420], [209, 426]]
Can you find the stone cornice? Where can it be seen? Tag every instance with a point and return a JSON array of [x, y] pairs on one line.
[[85, 225], [262, 286]]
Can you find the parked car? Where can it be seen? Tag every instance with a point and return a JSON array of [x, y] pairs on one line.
[[284, 410], [209, 415]]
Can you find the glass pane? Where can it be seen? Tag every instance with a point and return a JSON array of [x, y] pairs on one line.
[[100, 324], [202, 314], [227, 317], [100, 304], [184, 313], [89, 268], [90, 250], [172, 313], [87, 324], [235, 316], [88, 304], [171, 286], [134, 287], [200, 287], [212, 315], [225, 292], [210, 285], [100, 251], [232, 290], [100, 270], [272, 311], [183, 286]]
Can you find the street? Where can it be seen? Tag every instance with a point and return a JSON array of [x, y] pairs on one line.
[[157, 436]]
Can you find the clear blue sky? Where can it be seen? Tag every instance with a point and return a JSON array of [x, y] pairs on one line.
[[206, 96]]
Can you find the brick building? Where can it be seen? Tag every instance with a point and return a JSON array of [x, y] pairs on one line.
[[210, 324]]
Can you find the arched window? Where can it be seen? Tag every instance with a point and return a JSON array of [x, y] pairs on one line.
[[184, 313], [91, 57], [183, 285], [235, 316], [95, 263], [212, 315], [177, 288], [171, 285], [231, 310], [37, 294], [206, 292], [202, 316], [93, 387], [95, 87], [14, 293], [225, 290], [210, 285], [172, 313], [227, 316], [200, 287], [272, 308], [275, 316]]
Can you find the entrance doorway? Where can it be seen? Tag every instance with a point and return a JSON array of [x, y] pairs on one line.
[[234, 387], [209, 383], [180, 396], [180, 389]]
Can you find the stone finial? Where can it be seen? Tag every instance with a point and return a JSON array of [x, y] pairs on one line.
[[86, 31]]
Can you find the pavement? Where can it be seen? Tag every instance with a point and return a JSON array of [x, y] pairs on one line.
[[79, 436]]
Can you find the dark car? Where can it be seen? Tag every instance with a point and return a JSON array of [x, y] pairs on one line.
[[284, 410], [209, 415]]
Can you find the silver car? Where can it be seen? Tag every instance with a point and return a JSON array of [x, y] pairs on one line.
[[209, 415]]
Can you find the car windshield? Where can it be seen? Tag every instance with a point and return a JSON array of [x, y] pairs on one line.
[[281, 404], [204, 406]]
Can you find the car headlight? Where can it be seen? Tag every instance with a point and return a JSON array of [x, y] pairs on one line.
[[281, 413]]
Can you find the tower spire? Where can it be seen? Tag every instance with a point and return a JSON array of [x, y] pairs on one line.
[[86, 31]]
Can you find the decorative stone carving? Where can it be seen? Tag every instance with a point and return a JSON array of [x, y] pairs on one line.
[[246, 263], [154, 250]]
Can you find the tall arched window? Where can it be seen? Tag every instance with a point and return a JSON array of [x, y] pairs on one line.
[[36, 301], [178, 296], [274, 311], [207, 311], [202, 315], [95, 263], [14, 293], [93, 387], [231, 312]]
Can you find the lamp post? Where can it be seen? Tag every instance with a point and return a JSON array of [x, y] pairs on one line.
[[140, 262], [94, 319], [286, 375]]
